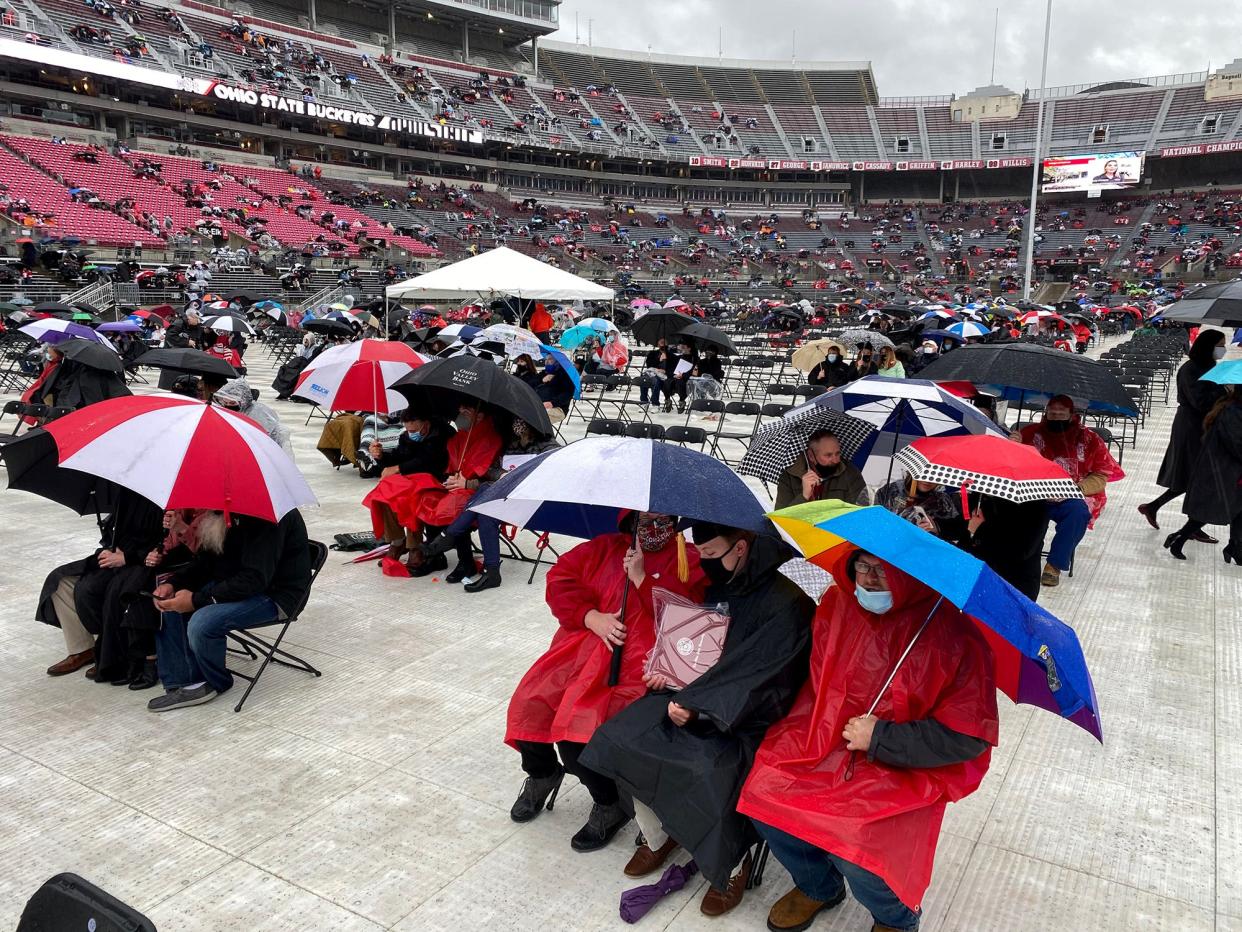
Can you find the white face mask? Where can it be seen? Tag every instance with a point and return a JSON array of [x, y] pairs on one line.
[[875, 602], [833, 357], [1218, 353]]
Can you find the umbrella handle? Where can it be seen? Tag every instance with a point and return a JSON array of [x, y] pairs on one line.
[[614, 668]]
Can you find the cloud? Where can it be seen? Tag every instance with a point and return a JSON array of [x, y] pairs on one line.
[[922, 47]]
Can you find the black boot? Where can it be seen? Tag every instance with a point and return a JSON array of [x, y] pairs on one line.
[[439, 546], [461, 571], [488, 579], [430, 565], [1174, 543], [149, 676], [1232, 551], [601, 825], [537, 794]]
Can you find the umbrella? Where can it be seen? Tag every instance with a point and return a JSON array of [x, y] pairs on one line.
[[1228, 372], [268, 305], [642, 302], [988, 464], [1213, 304], [457, 332], [637, 901], [482, 380], [92, 355], [1028, 372], [181, 453], [776, 445], [807, 357], [54, 307], [33, 466], [705, 336], [335, 328], [421, 338], [857, 336], [564, 362], [967, 329], [356, 376], [121, 326], [516, 341], [277, 314], [658, 323], [1038, 658], [52, 330], [675, 302], [191, 361], [901, 410], [247, 297], [1031, 317], [575, 336], [228, 324]]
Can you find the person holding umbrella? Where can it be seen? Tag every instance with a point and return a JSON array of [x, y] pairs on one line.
[[821, 473], [832, 372], [1195, 398], [564, 697], [851, 796], [682, 756]]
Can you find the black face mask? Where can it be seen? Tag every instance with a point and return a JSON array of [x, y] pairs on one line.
[[1058, 427], [715, 571], [825, 472]]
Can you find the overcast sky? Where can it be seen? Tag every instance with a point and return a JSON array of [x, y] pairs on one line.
[[920, 47]]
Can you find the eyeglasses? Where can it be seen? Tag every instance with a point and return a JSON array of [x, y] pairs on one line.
[[873, 569]]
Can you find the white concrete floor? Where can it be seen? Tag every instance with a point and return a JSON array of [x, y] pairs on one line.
[[376, 797]]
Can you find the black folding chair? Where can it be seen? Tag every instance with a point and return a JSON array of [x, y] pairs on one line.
[[253, 647], [608, 427], [644, 430], [686, 436]]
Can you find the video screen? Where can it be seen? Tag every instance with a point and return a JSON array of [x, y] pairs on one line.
[[1086, 172]]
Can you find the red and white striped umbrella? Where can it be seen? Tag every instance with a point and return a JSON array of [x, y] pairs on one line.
[[181, 453], [356, 376]]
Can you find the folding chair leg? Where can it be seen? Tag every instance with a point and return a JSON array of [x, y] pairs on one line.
[[269, 651]]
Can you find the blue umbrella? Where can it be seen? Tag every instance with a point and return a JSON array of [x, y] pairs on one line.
[[1038, 658], [1228, 372], [967, 328], [564, 362], [575, 336]]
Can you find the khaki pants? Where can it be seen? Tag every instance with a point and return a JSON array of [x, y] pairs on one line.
[[77, 639], [649, 825], [393, 531]]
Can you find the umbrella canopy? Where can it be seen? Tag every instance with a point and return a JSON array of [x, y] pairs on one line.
[[334, 328], [582, 489], [517, 341], [1227, 372], [278, 314], [658, 323], [642, 302], [856, 336], [988, 464], [778, 444], [92, 355], [458, 332], [227, 323], [33, 465], [482, 380], [1027, 372], [966, 329], [1038, 658], [357, 376], [901, 411], [551, 352], [52, 330], [181, 453], [805, 358], [575, 336], [705, 336], [121, 326], [191, 361], [675, 302], [54, 307], [1213, 304], [500, 272]]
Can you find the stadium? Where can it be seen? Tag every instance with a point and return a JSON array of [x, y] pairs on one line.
[[308, 295]]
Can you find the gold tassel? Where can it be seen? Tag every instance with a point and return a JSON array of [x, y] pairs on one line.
[[683, 562]]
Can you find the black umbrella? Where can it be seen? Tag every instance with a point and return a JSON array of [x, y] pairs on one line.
[[900, 310], [421, 338], [482, 380], [1026, 371], [1213, 304], [249, 297], [92, 355], [191, 361], [332, 328], [86, 308], [33, 465], [55, 308], [659, 323], [705, 336]]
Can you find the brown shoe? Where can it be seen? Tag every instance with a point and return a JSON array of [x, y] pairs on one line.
[[718, 902], [795, 911], [645, 860], [1051, 576], [72, 663]]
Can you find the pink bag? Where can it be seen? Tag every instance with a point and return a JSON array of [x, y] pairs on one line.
[[689, 638]]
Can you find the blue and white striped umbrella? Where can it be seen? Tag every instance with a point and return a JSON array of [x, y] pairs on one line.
[[581, 489], [968, 328], [901, 411]]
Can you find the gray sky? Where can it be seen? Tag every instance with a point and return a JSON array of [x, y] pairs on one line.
[[920, 47]]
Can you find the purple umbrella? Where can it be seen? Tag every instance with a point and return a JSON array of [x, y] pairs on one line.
[[53, 330], [121, 326], [637, 902]]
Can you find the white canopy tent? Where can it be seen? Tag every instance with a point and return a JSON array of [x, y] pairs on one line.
[[499, 273]]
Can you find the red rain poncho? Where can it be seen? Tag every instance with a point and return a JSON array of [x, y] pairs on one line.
[[884, 819], [1079, 451], [420, 498], [565, 695]]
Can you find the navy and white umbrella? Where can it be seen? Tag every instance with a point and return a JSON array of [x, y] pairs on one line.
[[581, 489]]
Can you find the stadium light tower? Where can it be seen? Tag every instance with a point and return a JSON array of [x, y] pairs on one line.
[[1029, 273]]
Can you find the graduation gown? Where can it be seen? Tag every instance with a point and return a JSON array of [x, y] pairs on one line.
[[690, 776], [1194, 400], [1214, 496], [565, 695], [884, 819]]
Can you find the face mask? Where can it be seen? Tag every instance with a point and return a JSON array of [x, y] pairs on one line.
[[875, 602], [654, 537], [415, 435], [1218, 353], [1058, 427], [833, 357]]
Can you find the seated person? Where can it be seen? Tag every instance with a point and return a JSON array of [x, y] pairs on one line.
[[422, 449], [236, 395], [821, 474], [1008, 537], [522, 441], [260, 575], [555, 389], [843, 796], [683, 756], [340, 441], [707, 378], [926, 504]]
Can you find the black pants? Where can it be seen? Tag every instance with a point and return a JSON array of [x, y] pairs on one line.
[[1235, 528], [539, 760]]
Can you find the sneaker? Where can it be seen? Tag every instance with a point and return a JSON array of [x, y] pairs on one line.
[[603, 823], [182, 697]]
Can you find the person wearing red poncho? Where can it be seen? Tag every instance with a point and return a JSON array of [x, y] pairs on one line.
[[420, 500], [1061, 437], [565, 695], [846, 797]]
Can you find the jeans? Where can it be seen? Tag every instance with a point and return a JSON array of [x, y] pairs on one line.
[[649, 382], [190, 648], [823, 876], [1071, 518], [489, 536]]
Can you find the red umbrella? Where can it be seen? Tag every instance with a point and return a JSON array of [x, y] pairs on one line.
[[988, 464], [356, 376], [181, 453]]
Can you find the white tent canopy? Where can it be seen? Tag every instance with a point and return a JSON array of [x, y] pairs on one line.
[[499, 273]]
